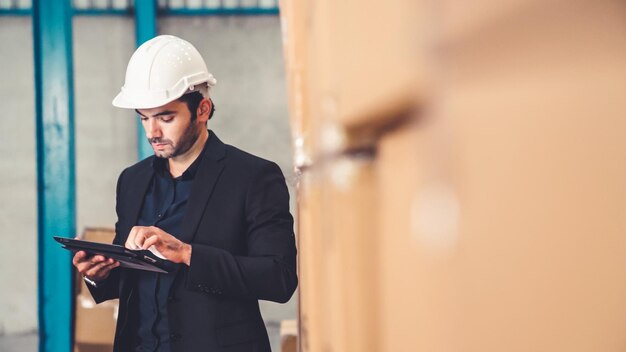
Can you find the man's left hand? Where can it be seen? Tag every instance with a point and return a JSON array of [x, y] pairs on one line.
[[174, 250]]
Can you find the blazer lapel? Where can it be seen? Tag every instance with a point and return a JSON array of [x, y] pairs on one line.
[[209, 170], [137, 193]]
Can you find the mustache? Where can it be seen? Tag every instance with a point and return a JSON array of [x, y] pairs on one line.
[[159, 140]]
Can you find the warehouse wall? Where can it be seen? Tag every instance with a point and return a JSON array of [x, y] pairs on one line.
[[105, 136], [244, 54], [18, 210]]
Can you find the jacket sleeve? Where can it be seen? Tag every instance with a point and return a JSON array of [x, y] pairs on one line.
[[109, 288], [268, 271]]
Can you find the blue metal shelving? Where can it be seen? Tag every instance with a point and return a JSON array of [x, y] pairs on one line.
[[52, 33]]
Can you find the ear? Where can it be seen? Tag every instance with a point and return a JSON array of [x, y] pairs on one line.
[[204, 108]]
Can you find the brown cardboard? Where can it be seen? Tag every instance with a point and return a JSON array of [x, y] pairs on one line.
[[349, 73], [310, 257], [365, 61], [98, 234], [504, 229], [492, 221], [338, 259], [296, 43], [401, 285], [289, 336], [351, 254], [95, 324]]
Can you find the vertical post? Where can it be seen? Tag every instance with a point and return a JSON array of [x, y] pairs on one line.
[[52, 32], [145, 29]]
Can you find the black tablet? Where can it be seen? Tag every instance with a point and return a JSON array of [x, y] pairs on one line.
[[128, 258]]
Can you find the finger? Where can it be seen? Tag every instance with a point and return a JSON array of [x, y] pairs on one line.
[[84, 267], [109, 266], [130, 241], [89, 263], [81, 268], [141, 237], [106, 270], [98, 258], [97, 270], [81, 258], [78, 257], [150, 242], [95, 260]]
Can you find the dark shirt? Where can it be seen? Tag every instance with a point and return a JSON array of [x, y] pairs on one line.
[[164, 207]]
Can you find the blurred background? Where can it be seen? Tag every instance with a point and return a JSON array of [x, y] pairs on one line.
[[456, 167]]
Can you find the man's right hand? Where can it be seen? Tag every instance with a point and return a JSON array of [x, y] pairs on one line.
[[96, 268]]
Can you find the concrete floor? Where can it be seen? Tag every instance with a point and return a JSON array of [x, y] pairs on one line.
[[25, 342]]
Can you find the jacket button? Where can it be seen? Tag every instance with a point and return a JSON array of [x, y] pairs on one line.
[[175, 337]]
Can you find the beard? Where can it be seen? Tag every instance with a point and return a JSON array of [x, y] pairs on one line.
[[189, 137]]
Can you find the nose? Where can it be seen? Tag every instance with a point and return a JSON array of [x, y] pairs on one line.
[[152, 128]]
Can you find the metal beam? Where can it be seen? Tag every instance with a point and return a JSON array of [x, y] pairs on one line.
[[52, 39], [221, 11], [145, 29]]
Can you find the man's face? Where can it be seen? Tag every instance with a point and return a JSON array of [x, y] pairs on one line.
[[169, 128]]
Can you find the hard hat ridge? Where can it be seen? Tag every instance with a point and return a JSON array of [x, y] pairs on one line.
[[160, 71]]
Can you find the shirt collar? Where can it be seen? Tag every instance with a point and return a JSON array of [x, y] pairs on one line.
[[161, 168]]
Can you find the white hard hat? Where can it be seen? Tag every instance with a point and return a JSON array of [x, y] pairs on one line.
[[160, 71]]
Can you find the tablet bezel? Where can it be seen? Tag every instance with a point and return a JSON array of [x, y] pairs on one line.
[[131, 259]]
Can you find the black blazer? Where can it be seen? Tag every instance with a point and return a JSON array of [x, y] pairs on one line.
[[243, 250]]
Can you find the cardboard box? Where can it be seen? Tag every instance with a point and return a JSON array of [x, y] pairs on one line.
[[493, 222], [366, 61], [289, 336], [294, 16], [504, 228], [338, 291], [350, 74], [351, 253], [310, 257], [95, 324], [400, 169]]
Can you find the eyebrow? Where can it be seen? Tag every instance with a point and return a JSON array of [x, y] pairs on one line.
[[162, 113]]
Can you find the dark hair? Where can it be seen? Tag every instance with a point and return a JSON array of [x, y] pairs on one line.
[[193, 100]]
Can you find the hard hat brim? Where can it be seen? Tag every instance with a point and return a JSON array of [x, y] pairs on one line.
[[121, 101]]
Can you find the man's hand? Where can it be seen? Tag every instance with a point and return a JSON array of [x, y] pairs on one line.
[[174, 250], [96, 268]]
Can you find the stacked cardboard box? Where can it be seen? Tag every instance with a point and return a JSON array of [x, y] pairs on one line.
[[349, 75], [289, 336], [528, 180], [480, 213]]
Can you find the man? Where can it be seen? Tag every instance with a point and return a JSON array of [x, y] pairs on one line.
[[218, 214]]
